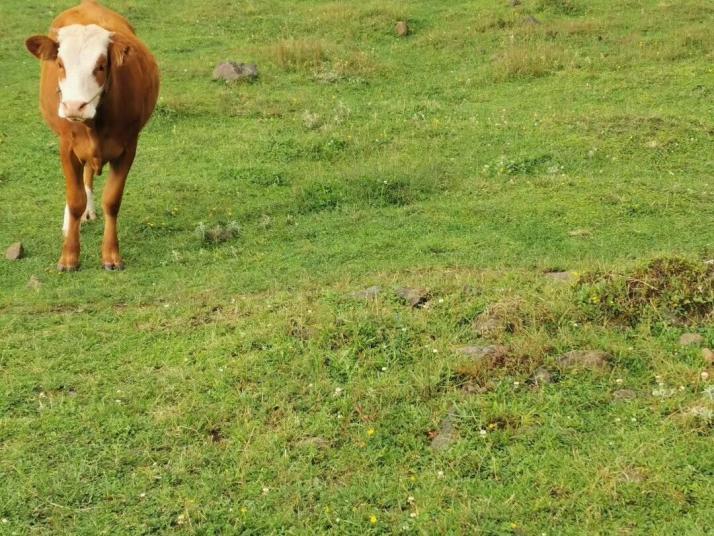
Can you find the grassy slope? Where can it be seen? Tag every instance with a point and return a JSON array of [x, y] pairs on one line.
[[496, 138]]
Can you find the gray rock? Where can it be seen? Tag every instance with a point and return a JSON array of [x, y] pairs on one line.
[[530, 19], [316, 442], [691, 339], [445, 436], [624, 394], [370, 293], [708, 356], [234, 72], [15, 252], [561, 277], [416, 297], [402, 28], [493, 351], [585, 360], [542, 376]]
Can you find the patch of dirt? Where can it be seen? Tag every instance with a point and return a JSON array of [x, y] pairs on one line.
[[691, 339]]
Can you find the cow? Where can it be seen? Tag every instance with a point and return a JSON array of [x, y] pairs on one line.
[[98, 88]]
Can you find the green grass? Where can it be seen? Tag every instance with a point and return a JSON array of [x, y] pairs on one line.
[[235, 385]]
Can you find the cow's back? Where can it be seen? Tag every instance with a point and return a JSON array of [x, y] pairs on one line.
[[91, 12]]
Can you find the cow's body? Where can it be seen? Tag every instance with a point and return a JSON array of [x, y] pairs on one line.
[[103, 130]]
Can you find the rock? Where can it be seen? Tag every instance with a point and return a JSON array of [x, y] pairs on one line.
[[370, 293], [624, 394], [402, 28], [563, 277], [691, 339], [542, 376], [416, 297], [708, 356], [445, 436], [15, 252], [585, 360], [34, 284], [514, 3], [530, 19], [234, 72], [316, 442], [494, 351]]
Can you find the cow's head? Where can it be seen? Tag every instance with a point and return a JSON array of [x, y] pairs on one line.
[[84, 56]]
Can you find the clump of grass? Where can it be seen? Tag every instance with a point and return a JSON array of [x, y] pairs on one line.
[[667, 289], [299, 54], [217, 234], [528, 60]]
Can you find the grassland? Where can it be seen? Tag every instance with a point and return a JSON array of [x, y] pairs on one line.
[[241, 387]]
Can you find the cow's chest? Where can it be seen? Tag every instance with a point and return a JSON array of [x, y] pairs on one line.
[[90, 146]]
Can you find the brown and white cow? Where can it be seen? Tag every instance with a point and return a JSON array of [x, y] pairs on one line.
[[98, 88]]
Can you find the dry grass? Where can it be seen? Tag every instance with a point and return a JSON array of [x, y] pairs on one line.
[[528, 60], [299, 54]]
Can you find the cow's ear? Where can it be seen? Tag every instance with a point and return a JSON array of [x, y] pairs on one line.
[[120, 49], [42, 47]]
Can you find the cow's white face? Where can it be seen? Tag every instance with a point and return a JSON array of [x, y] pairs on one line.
[[83, 65]]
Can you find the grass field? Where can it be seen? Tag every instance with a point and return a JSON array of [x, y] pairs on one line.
[[242, 386]]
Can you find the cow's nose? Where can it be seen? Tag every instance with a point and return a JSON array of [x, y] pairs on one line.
[[74, 109]]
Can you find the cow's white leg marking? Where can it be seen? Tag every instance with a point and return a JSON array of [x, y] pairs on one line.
[[65, 224], [90, 214]]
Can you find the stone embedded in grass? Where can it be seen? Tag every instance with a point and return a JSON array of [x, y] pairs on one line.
[[708, 356], [691, 339], [370, 293], [219, 233], [402, 28], [232, 71], [542, 376], [561, 277], [15, 252], [416, 297], [595, 360], [624, 394], [494, 351], [445, 436], [314, 442]]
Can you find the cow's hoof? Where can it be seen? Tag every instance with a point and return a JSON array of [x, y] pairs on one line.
[[89, 216], [67, 267], [114, 266]]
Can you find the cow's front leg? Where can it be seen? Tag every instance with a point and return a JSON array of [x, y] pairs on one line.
[[111, 202], [76, 204]]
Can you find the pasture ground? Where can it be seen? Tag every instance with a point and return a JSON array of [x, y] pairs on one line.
[[240, 386]]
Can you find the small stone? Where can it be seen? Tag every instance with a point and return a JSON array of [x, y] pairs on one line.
[[542, 376], [624, 394], [370, 293], [445, 436], [563, 277], [691, 339], [234, 72], [585, 360], [530, 19], [416, 297], [34, 284], [708, 356], [494, 351], [316, 442], [15, 252], [402, 28]]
